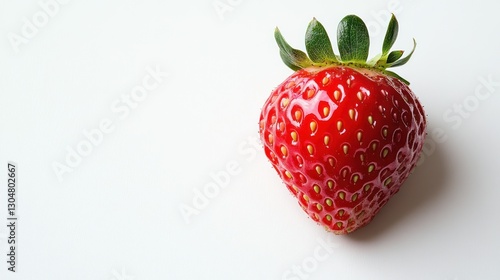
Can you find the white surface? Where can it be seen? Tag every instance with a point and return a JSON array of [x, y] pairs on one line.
[[116, 215]]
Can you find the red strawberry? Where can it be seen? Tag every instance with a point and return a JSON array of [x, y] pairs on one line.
[[343, 133]]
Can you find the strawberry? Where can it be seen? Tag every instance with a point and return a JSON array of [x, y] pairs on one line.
[[342, 132]]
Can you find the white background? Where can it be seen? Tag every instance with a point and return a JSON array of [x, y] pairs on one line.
[[115, 213]]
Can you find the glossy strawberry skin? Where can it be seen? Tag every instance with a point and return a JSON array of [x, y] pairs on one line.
[[343, 141]]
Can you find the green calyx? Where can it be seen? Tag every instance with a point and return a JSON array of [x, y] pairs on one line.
[[353, 43]]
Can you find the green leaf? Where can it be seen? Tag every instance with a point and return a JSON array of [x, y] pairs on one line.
[[353, 39], [403, 61], [293, 58], [288, 61], [390, 35], [390, 73], [318, 45], [394, 55]]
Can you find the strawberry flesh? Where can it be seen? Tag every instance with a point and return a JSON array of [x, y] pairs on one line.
[[343, 140]]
